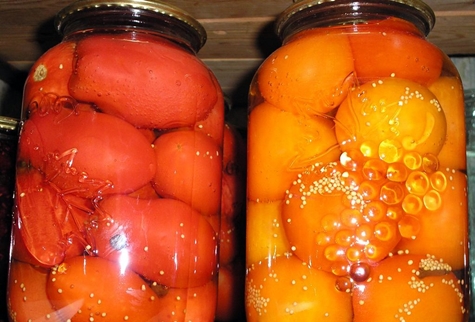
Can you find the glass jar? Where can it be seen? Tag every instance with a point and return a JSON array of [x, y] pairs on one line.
[[8, 143], [357, 188], [119, 170]]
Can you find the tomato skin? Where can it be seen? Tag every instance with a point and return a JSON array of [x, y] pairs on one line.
[[50, 75], [27, 298], [189, 169], [398, 42], [398, 290], [102, 289], [63, 237], [165, 240], [123, 77], [86, 152]]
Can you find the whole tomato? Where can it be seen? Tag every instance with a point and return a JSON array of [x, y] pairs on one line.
[[86, 152], [27, 298], [189, 167], [98, 288], [50, 75], [123, 77], [164, 240]]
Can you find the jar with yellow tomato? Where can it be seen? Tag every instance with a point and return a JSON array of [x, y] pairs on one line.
[[357, 188]]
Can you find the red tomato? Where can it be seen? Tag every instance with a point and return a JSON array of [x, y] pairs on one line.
[[409, 288], [212, 125], [64, 234], [286, 289], [164, 240], [87, 153], [27, 299], [49, 75], [233, 194], [151, 83], [186, 304], [394, 47], [189, 169], [101, 289]]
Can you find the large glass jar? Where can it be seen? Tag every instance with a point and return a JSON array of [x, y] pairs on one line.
[[357, 188], [8, 143], [119, 171]]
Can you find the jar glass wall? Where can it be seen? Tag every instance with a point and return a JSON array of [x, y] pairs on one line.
[[119, 170], [357, 188]]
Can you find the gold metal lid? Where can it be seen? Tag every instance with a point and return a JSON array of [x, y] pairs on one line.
[[175, 18], [299, 14], [8, 123]]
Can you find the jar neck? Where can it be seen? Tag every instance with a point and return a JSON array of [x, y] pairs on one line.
[[309, 14], [181, 29]]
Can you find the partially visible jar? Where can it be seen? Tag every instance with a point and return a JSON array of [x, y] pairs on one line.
[[8, 143], [470, 130], [119, 171], [357, 188]]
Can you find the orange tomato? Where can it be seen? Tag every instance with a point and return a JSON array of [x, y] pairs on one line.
[[309, 74], [185, 304], [333, 216], [287, 289], [101, 289], [264, 224], [280, 144], [393, 47], [449, 93], [443, 220], [389, 116], [27, 299], [409, 288]]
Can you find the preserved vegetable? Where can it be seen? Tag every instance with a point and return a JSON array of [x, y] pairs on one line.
[[357, 188], [119, 171]]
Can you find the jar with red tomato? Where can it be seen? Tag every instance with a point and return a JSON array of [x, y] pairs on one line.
[[119, 171], [357, 188]]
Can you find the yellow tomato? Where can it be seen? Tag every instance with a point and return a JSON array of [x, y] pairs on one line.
[[442, 221], [409, 288], [390, 116], [289, 290], [267, 238], [449, 93], [280, 144], [310, 74]]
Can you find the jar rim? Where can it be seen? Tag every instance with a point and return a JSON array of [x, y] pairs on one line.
[[152, 7], [286, 24], [8, 123]]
